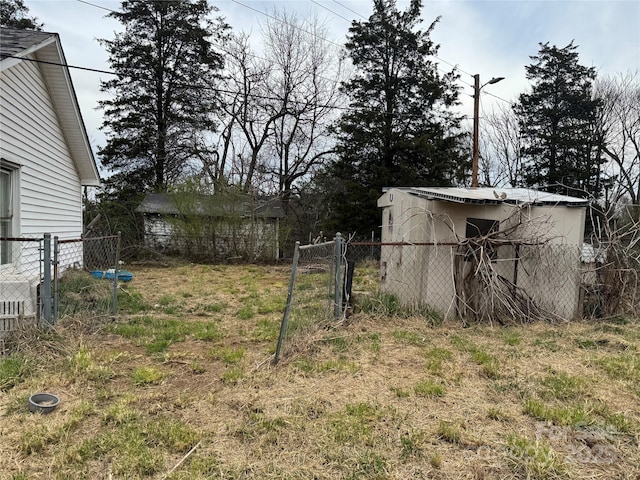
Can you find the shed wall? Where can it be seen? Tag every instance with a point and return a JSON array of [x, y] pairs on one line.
[[550, 274]]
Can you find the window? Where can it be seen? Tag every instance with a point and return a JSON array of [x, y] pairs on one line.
[[6, 212], [477, 228]]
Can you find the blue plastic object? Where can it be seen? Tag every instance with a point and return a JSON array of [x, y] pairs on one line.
[[123, 275]]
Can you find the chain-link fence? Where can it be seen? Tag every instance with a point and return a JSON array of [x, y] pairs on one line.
[[20, 273], [505, 284], [471, 281], [316, 296], [43, 278], [86, 276]]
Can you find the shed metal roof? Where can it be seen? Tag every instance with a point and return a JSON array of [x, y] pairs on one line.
[[487, 195]]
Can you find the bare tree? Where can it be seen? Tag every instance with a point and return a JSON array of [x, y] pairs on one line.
[[619, 125], [277, 107], [501, 162], [305, 78]]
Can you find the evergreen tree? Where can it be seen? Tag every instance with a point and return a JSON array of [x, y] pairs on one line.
[[398, 130], [14, 14], [163, 98], [557, 120]]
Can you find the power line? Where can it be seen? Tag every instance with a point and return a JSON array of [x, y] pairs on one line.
[[329, 10], [98, 6], [61, 65], [216, 89], [344, 6], [286, 23]]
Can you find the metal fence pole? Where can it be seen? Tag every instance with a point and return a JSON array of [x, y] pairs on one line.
[[285, 318], [46, 283], [56, 254], [337, 261], [114, 307]]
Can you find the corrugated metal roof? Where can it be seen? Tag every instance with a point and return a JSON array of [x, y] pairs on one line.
[[485, 195]]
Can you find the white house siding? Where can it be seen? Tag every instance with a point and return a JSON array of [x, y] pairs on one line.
[[50, 198], [50, 193]]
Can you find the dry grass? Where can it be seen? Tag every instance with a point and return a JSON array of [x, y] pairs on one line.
[[377, 398]]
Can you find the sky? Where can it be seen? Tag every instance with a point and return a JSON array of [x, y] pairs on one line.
[[490, 38]]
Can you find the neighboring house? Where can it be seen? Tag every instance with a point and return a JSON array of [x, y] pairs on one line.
[[535, 250], [216, 227], [45, 159]]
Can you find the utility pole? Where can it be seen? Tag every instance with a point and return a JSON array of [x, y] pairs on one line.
[[476, 107]]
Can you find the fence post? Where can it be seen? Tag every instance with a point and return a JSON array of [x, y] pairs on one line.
[[46, 283], [114, 306], [337, 261], [56, 254], [285, 318]]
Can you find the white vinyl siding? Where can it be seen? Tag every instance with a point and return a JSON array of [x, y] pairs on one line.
[[50, 191]]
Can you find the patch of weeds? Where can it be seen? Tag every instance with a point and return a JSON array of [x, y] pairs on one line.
[[548, 344], [380, 304], [409, 338], [400, 393], [621, 367], [79, 292], [512, 338], [622, 423], [131, 455], [375, 342], [143, 376], [270, 304], [562, 386], [171, 434], [206, 331], [34, 438], [120, 413], [355, 425], [411, 444], [569, 415], [490, 364], [247, 312], [266, 330], [215, 307], [427, 388], [339, 344], [435, 359], [435, 460], [450, 432], [158, 345], [197, 368], [369, 465], [233, 376], [497, 414], [17, 404], [534, 459], [228, 355], [13, 370], [592, 344], [130, 301], [131, 330], [82, 364]]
